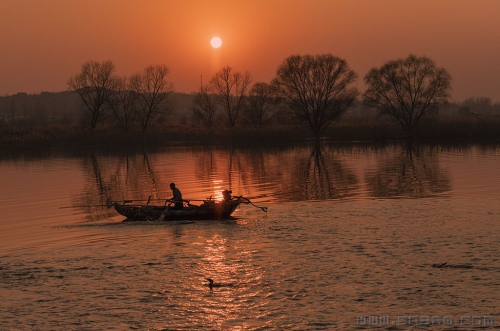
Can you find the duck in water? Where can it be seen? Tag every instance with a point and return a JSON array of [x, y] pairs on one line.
[[211, 284]]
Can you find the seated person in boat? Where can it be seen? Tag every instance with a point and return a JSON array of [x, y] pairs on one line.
[[226, 194], [177, 196]]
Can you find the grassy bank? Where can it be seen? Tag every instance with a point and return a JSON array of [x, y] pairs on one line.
[[436, 129]]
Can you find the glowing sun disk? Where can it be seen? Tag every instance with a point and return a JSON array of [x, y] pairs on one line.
[[216, 42]]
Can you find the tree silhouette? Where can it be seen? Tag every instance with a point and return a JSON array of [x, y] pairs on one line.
[[263, 103], [122, 103], [230, 88], [205, 106], [153, 91], [318, 89], [95, 84], [407, 89]]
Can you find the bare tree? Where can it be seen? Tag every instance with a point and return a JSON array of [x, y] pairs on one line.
[[317, 88], [95, 84], [263, 103], [230, 88], [122, 102], [205, 106], [407, 89], [153, 91]]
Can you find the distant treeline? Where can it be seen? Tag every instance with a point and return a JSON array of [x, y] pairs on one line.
[[27, 110], [57, 120], [311, 97], [66, 107]]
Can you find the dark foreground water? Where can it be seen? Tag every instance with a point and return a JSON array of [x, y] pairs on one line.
[[349, 241]]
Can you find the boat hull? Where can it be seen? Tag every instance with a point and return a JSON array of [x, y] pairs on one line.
[[208, 210]]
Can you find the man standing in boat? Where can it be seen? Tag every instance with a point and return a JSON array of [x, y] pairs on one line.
[[177, 196]]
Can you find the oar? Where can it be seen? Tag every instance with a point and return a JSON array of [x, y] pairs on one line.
[[162, 215], [149, 200], [264, 209], [85, 206], [109, 204]]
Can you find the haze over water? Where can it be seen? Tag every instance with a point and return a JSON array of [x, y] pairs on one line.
[[349, 241]]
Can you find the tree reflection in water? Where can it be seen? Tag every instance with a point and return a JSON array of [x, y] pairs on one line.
[[219, 168], [92, 200], [320, 176], [291, 174], [281, 174], [296, 173], [118, 178], [414, 172]]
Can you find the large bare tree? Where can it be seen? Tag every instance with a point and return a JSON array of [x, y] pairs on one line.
[[407, 89], [153, 92], [95, 84], [263, 103], [230, 88], [317, 88]]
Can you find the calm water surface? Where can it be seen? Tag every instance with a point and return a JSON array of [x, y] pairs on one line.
[[348, 243]]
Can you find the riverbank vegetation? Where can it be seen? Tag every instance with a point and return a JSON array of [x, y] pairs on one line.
[[354, 127]]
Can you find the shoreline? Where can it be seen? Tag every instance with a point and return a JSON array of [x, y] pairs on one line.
[[452, 130]]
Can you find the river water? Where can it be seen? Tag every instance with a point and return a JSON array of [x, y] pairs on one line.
[[349, 240]]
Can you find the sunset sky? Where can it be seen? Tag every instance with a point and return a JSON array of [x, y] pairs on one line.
[[43, 43]]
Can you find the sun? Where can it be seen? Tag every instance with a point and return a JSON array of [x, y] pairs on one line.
[[216, 42]]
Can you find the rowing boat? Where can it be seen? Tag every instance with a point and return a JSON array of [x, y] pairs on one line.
[[209, 209]]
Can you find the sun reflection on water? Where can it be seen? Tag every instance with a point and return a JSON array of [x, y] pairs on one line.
[[237, 282], [215, 256]]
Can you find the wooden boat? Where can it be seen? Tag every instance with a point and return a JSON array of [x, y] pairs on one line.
[[209, 209]]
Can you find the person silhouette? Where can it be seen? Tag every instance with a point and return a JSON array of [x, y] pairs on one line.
[[177, 196]]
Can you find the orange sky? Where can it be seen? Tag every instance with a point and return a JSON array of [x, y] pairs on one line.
[[43, 43]]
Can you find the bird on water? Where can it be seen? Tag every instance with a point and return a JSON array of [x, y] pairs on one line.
[[211, 283]]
